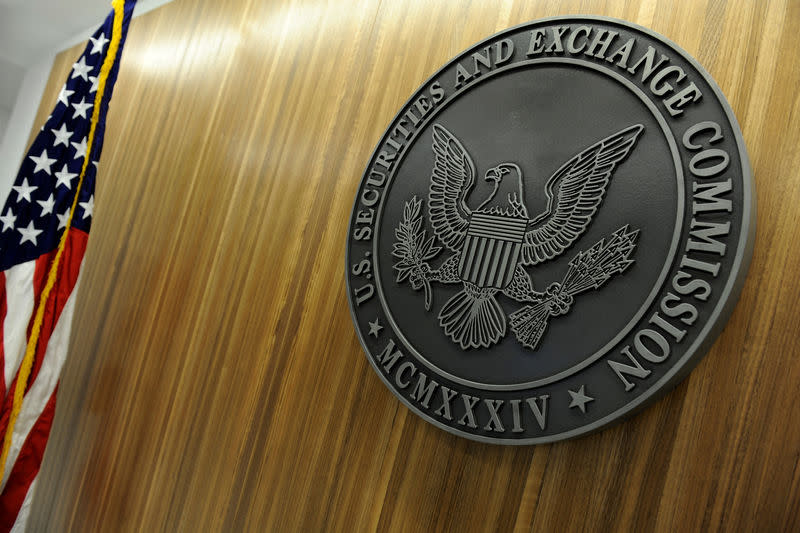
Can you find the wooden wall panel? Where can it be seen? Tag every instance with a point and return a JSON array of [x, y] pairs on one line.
[[215, 382]]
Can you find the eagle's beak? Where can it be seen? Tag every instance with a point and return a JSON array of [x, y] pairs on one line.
[[492, 175]]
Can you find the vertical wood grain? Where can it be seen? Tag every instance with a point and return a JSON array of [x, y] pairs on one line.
[[215, 382]]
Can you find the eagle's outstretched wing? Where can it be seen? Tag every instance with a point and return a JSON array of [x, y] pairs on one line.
[[453, 176], [574, 193]]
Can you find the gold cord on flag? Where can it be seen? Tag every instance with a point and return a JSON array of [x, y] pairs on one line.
[[27, 362]]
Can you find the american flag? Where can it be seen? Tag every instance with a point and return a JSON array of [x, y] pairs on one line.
[[36, 214]]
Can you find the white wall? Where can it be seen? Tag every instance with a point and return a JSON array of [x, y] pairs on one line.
[[5, 114], [20, 123]]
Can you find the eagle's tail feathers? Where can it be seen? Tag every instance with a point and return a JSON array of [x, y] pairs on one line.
[[473, 318]]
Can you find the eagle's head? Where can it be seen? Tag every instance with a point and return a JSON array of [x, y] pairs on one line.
[[506, 197]]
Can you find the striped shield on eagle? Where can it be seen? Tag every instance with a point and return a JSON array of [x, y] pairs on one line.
[[491, 250]]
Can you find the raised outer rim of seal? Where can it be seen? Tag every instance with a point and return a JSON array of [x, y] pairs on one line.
[[719, 315]]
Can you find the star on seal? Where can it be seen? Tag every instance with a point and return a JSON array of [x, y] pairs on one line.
[[580, 399]]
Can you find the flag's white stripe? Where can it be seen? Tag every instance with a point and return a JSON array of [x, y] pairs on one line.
[[25, 510], [19, 301], [42, 389]]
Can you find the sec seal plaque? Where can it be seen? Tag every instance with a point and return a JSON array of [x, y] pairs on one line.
[[551, 232]]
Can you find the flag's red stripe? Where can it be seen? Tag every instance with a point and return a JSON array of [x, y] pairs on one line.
[[42, 265], [27, 466], [68, 271], [68, 276], [3, 311]]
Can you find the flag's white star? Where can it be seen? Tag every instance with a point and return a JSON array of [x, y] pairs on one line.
[[81, 109], [62, 135], [93, 88], [29, 234], [64, 95], [62, 219], [8, 220], [81, 69], [80, 149], [24, 190], [47, 205], [64, 177], [88, 207], [98, 44], [42, 162]]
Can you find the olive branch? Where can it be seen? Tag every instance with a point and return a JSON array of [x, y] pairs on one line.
[[413, 249]]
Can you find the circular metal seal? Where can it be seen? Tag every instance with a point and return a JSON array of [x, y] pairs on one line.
[[551, 232]]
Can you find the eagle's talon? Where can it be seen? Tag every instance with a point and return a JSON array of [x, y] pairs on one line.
[[416, 280], [419, 276], [553, 289], [560, 302]]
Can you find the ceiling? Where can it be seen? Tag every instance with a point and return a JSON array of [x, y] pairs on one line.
[[31, 28]]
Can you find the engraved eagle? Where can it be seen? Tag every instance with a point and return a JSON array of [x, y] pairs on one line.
[[492, 242]]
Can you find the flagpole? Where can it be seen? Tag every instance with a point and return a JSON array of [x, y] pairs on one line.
[[27, 362]]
